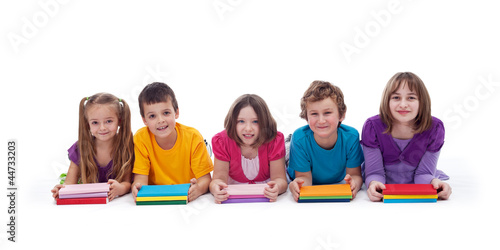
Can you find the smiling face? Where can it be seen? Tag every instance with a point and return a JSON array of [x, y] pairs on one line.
[[247, 126], [103, 122], [323, 119], [160, 119], [403, 104]]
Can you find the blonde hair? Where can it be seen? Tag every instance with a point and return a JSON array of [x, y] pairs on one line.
[[423, 120], [123, 144], [267, 124], [319, 90]]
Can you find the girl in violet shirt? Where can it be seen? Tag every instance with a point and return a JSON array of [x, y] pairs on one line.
[[401, 145]]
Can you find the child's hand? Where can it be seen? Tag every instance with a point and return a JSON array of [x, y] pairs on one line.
[[271, 191], [55, 190], [354, 186], [375, 191], [115, 189], [135, 190], [194, 191], [443, 188], [217, 188], [294, 187]]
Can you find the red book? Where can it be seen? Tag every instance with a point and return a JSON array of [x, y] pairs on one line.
[[77, 201], [409, 189]]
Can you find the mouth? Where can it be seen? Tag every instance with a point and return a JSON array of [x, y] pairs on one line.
[[103, 133], [403, 112], [162, 128], [248, 136]]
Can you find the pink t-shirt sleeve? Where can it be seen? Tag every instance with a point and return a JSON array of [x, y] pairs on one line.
[[276, 148], [220, 146]]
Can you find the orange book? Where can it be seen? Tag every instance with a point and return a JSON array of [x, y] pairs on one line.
[[326, 190]]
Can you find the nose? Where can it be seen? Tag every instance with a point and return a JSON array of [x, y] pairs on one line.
[[322, 119], [102, 126], [403, 103]]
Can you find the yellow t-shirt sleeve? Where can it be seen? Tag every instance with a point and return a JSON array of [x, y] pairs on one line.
[[201, 163]]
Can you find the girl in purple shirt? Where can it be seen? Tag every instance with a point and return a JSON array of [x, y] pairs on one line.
[[402, 143]]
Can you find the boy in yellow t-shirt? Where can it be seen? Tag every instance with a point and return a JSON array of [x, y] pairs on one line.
[[167, 152]]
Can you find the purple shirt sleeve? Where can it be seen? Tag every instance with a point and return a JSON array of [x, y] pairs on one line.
[[426, 169], [374, 165]]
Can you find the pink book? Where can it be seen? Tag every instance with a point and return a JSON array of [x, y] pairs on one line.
[[246, 189], [84, 188]]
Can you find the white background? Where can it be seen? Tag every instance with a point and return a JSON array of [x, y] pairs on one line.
[[210, 52]]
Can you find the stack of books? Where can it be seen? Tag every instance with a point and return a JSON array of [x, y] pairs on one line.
[[93, 193], [325, 193], [243, 193], [163, 195], [409, 193]]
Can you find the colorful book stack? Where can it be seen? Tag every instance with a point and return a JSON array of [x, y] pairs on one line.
[[409, 193], [93, 193], [243, 193], [325, 193], [163, 194]]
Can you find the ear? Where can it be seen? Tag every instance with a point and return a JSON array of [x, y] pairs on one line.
[[144, 120], [177, 114]]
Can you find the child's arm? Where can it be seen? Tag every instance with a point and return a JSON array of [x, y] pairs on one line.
[[119, 188], [278, 183], [71, 178], [198, 187], [354, 179], [301, 179], [139, 181], [221, 173]]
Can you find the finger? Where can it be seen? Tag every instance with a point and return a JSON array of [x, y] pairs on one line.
[[193, 181]]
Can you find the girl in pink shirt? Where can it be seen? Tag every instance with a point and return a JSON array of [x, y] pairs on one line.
[[250, 150]]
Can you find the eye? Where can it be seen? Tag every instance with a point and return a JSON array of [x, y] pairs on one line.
[[412, 98], [94, 123], [151, 116], [255, 121], [109, 121], [240, 121], [395, 97], [166, 113]]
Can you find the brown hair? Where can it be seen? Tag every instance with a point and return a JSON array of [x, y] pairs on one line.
[[267, 124], [423, 120], [319, 90], [123, 144], [154, 93]]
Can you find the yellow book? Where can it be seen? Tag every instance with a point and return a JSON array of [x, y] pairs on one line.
[[163, 198], [410, 196]]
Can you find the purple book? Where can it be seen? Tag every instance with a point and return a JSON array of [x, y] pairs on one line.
[[247, 200], [85, 195]]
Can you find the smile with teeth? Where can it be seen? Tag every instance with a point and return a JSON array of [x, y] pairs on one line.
[[248, 136], [162, 128]]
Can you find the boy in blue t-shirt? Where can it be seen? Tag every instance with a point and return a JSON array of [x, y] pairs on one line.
[[324, 151]]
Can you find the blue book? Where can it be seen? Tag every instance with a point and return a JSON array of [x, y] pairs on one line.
[[164, 190], [409, 200]]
